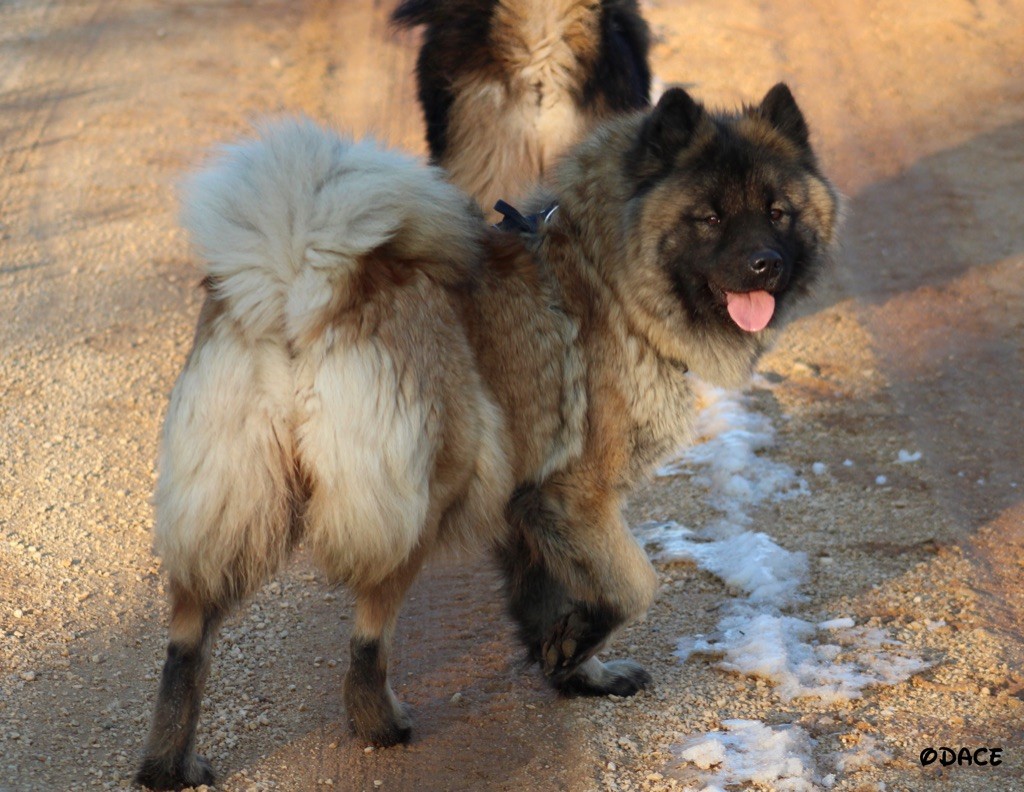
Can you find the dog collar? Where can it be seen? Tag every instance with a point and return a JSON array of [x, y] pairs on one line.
[[515, 222]]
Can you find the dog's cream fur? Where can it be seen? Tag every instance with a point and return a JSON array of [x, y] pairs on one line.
[[278, 400]]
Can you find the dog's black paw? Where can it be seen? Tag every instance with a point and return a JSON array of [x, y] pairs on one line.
[[376, 716], [594, 678], [573, 640], [388, 735], [382, 729], [160, 772], [373, 711]]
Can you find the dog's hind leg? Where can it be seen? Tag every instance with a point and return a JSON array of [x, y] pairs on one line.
[[227, 513], [374, 711], [570, 585], [170, 758]]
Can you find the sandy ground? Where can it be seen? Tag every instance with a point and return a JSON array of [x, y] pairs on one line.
[[916, 343]]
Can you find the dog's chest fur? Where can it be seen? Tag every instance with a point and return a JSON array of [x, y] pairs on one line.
[[661, 411], [639, 403], [645, 406]]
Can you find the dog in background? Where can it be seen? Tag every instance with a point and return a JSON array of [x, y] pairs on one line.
[[379, 373], [506, 86]]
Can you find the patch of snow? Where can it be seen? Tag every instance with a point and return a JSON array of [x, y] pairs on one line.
[[750, 563], [725, 457], [819, 468], [832, 660], [793, 654], [905, 456], [865, 755], [844, 622], [749, 751]]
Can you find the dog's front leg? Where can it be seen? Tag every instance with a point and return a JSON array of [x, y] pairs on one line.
[[575, 574]]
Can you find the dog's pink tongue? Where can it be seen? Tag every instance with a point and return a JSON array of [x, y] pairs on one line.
[[750, 310]]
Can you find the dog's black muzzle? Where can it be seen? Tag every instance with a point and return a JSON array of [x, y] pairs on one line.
[[764, 269], [765, 264]]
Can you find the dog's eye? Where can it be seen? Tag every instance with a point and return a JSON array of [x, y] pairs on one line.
[[713, 220], [776, 214]]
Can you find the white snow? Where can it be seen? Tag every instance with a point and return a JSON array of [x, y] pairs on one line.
[[865, 755], [905, 456], [799, 659], [749, 751], [750, 563], [819, 468], [880, 480], [844, 622], [725, 459], [758, 634], [705, 752]]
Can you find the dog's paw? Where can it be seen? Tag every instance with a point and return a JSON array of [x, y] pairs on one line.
[[573, 640], [161, 772], [388, 735], [561, 646], [383, 730], [594, 678], [376, 716]]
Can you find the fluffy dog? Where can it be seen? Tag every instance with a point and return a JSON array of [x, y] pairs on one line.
[[378, 372], [506, 86]]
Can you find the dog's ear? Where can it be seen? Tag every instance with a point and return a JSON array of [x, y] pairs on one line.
[[663, 134], [780, 109], [669, 126]]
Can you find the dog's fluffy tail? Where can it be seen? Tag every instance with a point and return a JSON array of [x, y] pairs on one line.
[[290, 222]]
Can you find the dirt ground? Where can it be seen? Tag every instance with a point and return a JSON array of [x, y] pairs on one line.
[[915, 342]]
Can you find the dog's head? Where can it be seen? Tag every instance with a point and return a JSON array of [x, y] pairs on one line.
[[732, 208], [705, 225]]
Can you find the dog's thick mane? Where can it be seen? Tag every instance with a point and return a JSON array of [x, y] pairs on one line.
[[588, 187]]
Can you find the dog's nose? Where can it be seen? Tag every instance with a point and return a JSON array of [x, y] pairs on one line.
[[766, 263]]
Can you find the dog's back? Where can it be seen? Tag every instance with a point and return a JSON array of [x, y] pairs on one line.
[[507, 86]]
